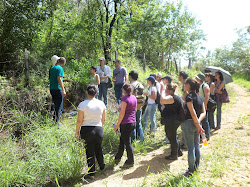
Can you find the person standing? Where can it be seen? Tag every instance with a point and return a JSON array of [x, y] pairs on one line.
[[120, 77], [104, 73], [137, 90], [159, 79], [151, 108], [204, 92], [209, 79], [94, 78], [219, 86], [91, 118], [191, 127], [57, 89], [127, 123], [182, 78]]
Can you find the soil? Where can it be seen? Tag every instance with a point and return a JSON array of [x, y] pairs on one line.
[[153, 163]]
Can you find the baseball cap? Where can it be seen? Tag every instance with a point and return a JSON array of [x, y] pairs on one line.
[[159, 74], [151, 79], [200, 76], [116, 60], [54, 59], [102, 58]]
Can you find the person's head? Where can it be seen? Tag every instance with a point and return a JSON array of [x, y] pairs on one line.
[[153, 75], [92, 69], [170, 89], [150, 80], [61, 61], [91, 91], [207, 71], [209, 77], [191, 85], [117, 63], [218, 76], [127, 89], [133, 75], [102, 61], [167, 79], [158, 77], [54, 59], [200, 78], [182, 76]]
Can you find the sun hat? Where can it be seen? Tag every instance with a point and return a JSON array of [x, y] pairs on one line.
[[159, 74], [151, 79], [54, 59], [200, 76], [102, 58]]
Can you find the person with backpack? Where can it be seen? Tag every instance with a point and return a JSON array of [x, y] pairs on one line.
[[137, 90], [209, 77], [204, 92], [195, 113], [170, 118], [151, 108]]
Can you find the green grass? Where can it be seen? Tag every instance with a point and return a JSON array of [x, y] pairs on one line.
[[242, 80]]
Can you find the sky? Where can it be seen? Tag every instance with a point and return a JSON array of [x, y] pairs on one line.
[[219, 19]]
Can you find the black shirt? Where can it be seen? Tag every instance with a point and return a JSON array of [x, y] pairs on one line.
[[197, 101], [171, 110]]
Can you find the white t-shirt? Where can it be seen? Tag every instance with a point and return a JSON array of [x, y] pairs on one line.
[[93, 110], [152, 89]]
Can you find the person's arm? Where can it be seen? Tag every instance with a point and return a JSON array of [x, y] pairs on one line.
[[121, 115], [59, 79], [194, 117], [212, 86], [103, 117], [126, 78], [218, 91], [207, 95], [203, 114], [167, 100], [153, 95], [185, 95], [97, 79], [79, 122]]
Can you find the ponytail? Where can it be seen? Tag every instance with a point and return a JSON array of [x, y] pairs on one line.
[[194, 85]]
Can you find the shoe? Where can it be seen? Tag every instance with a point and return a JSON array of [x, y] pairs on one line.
[[127, 165], [217, 128], [180, 153], [171, 157], [117, 161], [188, 173]]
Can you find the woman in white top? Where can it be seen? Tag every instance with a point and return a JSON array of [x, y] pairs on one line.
[[151, 108], [91, 118]]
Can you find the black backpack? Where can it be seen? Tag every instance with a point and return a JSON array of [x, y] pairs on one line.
[[211, 104], [181, 114], [158, 100]]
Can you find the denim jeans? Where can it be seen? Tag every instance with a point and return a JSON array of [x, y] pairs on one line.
[[151, 113], [138, 132], [192, 140], [118, 92], [219, 105], [57, 99], [205, 125], [103, 92], [211, 120], [125, 141]]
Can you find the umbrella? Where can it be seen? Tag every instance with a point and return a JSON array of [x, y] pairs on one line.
[[226, 75]]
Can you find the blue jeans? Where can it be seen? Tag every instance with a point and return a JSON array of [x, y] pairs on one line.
[[205, 126], [192, 140], [118, 92], [57, 99], [138, 132], [211, 119], [219, 105], [151, 113], [103, 92]]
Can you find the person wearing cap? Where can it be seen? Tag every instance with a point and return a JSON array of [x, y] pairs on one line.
[[156, 84], [158, 78], [104, 73], [120, 76], [204, 92], [151, 108], [57, 89]]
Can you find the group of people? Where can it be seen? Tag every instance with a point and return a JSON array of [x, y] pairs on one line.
[[188, 110]]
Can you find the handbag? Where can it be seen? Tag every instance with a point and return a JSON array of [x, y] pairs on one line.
[[109, 83], [211, 105], [223, 98]]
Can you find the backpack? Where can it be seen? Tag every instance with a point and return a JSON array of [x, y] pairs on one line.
[[211, 104], [138, 93], [181, 114], [158, 101]]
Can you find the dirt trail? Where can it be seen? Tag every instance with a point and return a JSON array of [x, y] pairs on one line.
[[155, 161]]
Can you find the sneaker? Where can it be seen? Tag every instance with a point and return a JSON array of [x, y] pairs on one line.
[[217, 128], [171, 157], [127, 165], [188, 173]]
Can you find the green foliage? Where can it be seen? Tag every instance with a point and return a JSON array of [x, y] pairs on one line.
[[243, 80]]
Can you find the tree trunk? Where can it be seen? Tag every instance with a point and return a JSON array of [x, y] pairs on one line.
[[162, 60], [144, 62], [189, 63], [176, 66]]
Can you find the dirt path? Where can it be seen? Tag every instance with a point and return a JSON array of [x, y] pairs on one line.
[[153, 163]]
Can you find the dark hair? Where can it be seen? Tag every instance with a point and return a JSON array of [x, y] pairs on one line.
[[183, 74], [93, 67], [172, 86], [169, 78], [127, 88], [207, 71], [194, 85], [92, 90], [210, 75], [134, 75], [61, 60], [153, 74], [220, 75]]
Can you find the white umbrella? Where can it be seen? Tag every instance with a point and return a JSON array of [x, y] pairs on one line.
[[226, 75]]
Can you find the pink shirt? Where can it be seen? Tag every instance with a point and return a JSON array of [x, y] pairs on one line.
[[129, 116]]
